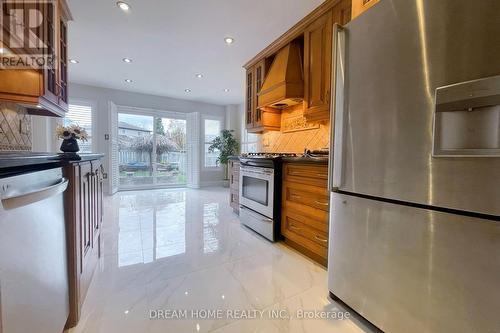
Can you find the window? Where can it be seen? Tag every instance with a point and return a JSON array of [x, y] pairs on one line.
[[81, 115], [212, 129]]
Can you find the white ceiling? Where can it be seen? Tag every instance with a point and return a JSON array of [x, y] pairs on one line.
[[172, 40]]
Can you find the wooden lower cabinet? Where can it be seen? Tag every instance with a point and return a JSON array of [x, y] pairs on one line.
[[305, 209], [83, 213], [234, 185]]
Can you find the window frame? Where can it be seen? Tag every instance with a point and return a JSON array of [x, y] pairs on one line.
[[205, 117]]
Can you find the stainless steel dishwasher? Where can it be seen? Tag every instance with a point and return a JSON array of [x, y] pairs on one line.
[[33, 266]]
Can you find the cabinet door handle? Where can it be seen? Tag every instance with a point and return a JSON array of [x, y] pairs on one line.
[[59, 90], [321, 203], [322, 175], [295, 196], [321, 239], [294, 227]]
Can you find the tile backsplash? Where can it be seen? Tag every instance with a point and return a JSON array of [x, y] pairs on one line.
[[296, 134], [15, 127]]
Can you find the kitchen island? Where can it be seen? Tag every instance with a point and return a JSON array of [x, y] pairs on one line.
[[82, 211]]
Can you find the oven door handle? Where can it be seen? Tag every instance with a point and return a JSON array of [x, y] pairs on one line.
[[261, 176], [264, 219]]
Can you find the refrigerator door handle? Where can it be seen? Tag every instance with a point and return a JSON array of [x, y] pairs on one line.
[[337, 108]]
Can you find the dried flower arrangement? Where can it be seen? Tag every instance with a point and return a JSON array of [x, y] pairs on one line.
[[72, 132]]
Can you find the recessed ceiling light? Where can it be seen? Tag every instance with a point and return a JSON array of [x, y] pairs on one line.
[[229, 40], [199, 76], [226, 90], [127, 60], [123, 6], [128, 80], [187, 90], [73, 61], [38, 106]]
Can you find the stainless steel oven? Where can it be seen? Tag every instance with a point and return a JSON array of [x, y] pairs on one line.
[[257, 189]]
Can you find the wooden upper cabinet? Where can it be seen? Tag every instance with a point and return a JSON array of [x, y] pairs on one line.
[[42, 91], [359, 6], [50, 74], [259, 73], [258, 119], [250, 99], [318, 61], [63, 63], [317, 68], [313, 34]]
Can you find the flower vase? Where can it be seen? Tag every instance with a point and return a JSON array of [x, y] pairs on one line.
[[70, 146]]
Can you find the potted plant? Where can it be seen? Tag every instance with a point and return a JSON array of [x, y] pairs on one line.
[[227, 146], [70, 134]]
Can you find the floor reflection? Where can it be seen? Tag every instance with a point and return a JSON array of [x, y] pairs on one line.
[[210, 221], [153, 223], [186, 249]]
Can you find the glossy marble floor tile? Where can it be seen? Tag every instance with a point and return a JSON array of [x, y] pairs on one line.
[[183, 252]]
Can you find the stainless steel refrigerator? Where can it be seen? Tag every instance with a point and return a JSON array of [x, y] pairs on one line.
[[415, 174]]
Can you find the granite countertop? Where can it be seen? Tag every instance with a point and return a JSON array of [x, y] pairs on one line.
[[298, 159], [16, 162], [306, 159], [83, 157]]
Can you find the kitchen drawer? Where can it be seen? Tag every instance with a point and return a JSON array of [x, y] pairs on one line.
[[234, 171], [234, 181], [302, 234], [308, 223], [234, 200], [306, 195], [234, 184], [311, 174], [234, 166]]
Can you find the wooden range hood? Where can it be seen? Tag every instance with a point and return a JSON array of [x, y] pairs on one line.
[[284, 84]]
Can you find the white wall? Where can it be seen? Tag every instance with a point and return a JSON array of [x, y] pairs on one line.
[[234, 120], [100, 97]]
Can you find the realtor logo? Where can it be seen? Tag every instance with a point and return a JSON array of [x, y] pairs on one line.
[[27, 34]]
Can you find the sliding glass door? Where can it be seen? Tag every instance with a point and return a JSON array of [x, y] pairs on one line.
[[170, 151], [152, 151], [135, 135]]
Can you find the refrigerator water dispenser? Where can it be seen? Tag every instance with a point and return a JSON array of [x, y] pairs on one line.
[[467, 119]]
